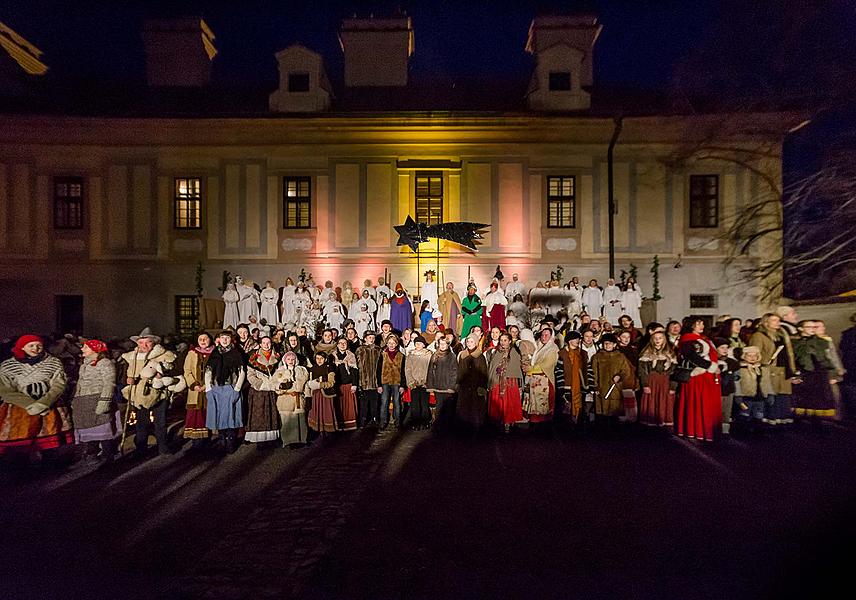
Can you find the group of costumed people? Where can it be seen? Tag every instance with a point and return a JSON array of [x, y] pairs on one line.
[[500, 365]]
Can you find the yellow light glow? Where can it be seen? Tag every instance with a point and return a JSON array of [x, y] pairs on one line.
[[22, 51], [208, 40]]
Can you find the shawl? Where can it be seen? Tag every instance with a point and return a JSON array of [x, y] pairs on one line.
[[504, 366], [268, 365], [225, 363]]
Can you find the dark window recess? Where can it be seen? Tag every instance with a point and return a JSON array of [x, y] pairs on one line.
[[560, 81], [296, 203], [186, 314], [704, 200], [561, 202], [188, 203], [298, 82], [429, 198], [69, 314], [68, 202], [702, 301]]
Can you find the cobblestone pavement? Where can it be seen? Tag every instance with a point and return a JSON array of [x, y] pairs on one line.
[[367, 515]]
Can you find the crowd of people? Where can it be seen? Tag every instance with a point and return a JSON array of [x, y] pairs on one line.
[[282, 374]]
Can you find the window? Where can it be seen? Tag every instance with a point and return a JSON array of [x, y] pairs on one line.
[[68, 203], [704, 200], [702, 301], [296, 203], [561, 202], [188, 203], [429, 198], [560, 81], [298, 82], [186, 314]]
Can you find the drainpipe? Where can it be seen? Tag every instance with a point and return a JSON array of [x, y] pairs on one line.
[[610, 193]]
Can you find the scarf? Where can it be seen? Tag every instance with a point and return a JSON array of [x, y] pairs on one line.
[[320, 371], [391, 353], [225, 363], [203, 351]]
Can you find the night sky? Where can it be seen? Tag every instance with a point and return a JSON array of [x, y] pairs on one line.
[[786, 52]]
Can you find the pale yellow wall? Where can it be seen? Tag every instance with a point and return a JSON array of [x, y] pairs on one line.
[[378, 205], [347, 202], [478, 198], [650, 226]]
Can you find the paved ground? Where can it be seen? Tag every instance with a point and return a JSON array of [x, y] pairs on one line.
[[530, 515]]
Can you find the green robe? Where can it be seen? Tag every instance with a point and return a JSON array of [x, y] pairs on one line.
[[472, 308]]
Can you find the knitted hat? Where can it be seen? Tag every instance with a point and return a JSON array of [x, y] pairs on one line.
[[18, 350]]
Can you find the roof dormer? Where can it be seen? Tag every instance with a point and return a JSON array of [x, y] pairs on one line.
[[563, 48], [303, 83]]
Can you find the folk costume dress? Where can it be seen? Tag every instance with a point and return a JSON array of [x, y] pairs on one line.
[[262, 412], [657, 406], [95, 416], [30, 417], [778, 354], [347, 377], [699, 410], [495, 307], [505, 376], [471, 307], [194, 374], [291, 403], [541, 400], [322, 387], [224, 377], [814, 397]]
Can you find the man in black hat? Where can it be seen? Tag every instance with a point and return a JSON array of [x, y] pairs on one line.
[[612, 373]]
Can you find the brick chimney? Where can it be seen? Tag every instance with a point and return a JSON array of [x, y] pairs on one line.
[[376, 50], [179, 52]]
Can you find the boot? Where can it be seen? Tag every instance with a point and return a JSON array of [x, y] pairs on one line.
[[231, 441]]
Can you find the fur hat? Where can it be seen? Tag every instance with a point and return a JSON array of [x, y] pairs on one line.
[[608, 337], [146, 334], [573, 335], [419, 338]]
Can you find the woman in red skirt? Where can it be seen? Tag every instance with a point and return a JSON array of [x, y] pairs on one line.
[[321, 384], [345, 363], [505, 376], [656, 364], [699, 404]]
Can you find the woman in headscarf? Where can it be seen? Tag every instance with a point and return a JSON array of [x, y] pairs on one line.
[[347, 377], [321, 387], [224, 377], [472, 383], [291, 378], [262, 414], [541, 400], [31, 382], [505, 378], [194, 376], [94, 411]]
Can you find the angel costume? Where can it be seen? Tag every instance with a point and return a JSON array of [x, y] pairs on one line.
[[230, 315], [269, 297], [612, 303], [287, 297], [248, 305]]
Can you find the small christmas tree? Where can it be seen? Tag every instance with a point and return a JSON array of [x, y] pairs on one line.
[[655, 275]]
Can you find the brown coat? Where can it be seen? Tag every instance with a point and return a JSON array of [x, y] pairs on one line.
[[605, 366], [779, 375], [194, 374], [390, 371]]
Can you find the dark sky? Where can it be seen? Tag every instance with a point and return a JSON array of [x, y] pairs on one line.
[[639, 45]]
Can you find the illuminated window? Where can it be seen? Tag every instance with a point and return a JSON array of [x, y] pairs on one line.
[[296, 203], [188, 203], [560, 81], [186, 314], [561, 202], [429, 198], [68, 202], [704, 201], [298, 82]]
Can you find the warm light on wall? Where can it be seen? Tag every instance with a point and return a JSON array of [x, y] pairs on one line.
[[208, 40], [22, 51]]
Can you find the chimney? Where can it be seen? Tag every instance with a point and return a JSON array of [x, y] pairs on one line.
[[563, 48], [376, 50], [179, 52], [303, 83]]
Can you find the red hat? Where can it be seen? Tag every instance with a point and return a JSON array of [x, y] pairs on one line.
[[399, 287], [18, 350], [96, 346]]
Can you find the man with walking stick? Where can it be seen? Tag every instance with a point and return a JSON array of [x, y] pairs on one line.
[[612, 373]]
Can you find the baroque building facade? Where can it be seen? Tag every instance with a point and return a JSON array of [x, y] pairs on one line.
[[105, 218]]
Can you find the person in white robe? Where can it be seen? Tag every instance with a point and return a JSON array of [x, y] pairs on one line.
[[429, 289], [334, 316], [382, 290], [514, 287], [593, 299], [631, 301], [363, 320], [329, 302], [231, 317], [269, 297], [286, 296], [313, 290], [383, 310], [370, 303], [538, 294], [248, 304], [367, 287], [347, 295], [555, 298], [612, 301], [492, 298]]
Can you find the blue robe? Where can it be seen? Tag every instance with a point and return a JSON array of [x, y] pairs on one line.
[[401, 313]]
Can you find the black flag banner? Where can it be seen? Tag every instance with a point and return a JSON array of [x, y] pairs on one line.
[[464, 233]]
